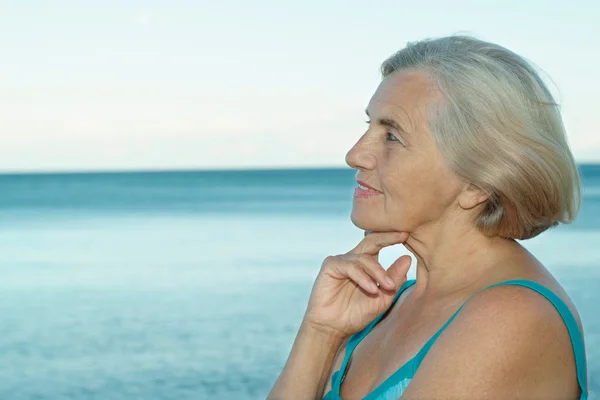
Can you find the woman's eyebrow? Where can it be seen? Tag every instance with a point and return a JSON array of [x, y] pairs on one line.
[[392, 124], [389, 122]]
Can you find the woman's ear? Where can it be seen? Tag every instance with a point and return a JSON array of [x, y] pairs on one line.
[[472, 196]]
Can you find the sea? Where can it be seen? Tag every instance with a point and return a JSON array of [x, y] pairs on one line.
[[192, 284]]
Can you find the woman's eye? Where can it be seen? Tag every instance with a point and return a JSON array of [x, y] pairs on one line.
[[391, 137]]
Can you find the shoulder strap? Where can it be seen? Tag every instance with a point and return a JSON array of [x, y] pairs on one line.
[[561, 307], [357, 337]]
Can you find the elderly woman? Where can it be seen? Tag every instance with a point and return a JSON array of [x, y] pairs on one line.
[[465, 152]]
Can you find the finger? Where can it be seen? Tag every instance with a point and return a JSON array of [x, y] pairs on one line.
[[398, 270], [376, 271], [373, 242], [358, 275]]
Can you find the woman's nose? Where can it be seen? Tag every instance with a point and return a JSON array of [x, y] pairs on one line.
[[360, 156]]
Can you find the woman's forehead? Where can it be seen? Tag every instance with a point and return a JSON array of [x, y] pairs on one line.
[[406, 109], [403, 94], [404, 89]]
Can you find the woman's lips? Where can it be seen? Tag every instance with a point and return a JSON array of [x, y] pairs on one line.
[[364, 193]]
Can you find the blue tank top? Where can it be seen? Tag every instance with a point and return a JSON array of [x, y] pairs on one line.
[[393, 387]]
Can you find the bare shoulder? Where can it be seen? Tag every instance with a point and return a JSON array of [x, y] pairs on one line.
[[506, 342]]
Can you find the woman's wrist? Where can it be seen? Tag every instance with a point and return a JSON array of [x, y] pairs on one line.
[[321, 332], [307, 368]]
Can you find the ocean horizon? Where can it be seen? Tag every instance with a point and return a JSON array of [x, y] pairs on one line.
[[191, 284]]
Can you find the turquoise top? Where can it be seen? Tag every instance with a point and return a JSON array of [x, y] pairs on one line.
[[393, 387]]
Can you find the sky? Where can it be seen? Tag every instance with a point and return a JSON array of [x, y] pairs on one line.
[[150, 85]]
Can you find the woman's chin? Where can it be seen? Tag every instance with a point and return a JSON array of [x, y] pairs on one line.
[[363, 221]]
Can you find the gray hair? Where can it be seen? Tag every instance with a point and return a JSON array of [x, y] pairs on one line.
[[499, 128]]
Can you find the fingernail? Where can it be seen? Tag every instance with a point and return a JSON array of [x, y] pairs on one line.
[[389, 281]]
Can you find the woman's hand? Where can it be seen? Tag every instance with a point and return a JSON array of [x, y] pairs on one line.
[[345, 297]]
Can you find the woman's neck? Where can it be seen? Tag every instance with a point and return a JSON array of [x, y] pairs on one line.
[[451, 262]]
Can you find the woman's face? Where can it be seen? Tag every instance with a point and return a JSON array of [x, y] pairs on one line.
[[398, 157]]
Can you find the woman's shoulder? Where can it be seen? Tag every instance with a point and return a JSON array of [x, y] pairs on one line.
[[535, 307], [506, 327], [522, 298], [529, 283]]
